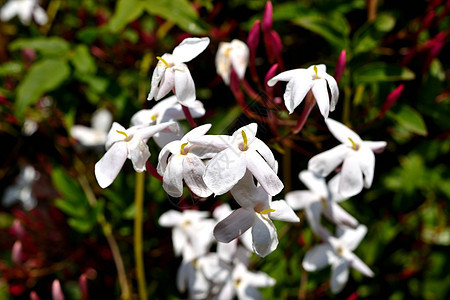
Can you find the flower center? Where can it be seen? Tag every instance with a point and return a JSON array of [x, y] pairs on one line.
[[354, 145], [153, 118], [163, 61], [324, 203], [340, 251], [266, 211], [124, 134], [315, 71], [182, 151], [237, 282], [245, 146]]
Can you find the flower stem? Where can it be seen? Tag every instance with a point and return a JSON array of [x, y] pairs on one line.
[[309, 104], [188, 116], [138, 235]]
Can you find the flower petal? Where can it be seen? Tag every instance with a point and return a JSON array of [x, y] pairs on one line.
[[264, 233], [357, 264], [113, 136], [320, 92], [196, 132], [296, 91], [351, 182], [339, 275], [173, 177], [138, 153], [248, 292], [190, 48], [342, 133], [339, 216], [351, 238], [282, 212], [324, 163], [250, 132], [193, 169], [245, 192], [376, 146], [265, 152], [224, 171], [266, 177], [109, 166], [184, 85], [101, 120], [234, 225], [300, 199], [87, 136], [314, 183], [259, 279], [157, 76], [286, 76], [170, 218], [318, 257], [179, 241], [334, 90], [367, 164]]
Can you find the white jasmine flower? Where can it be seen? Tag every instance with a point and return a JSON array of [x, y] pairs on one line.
[[337, 252], [302, 81], [166, 110], [244, 283], [242, 151], [320, 199], [183, 164], [172, 74], [124, 143], [191, 232], [25, 10], [95, 135], [357, 158], [22, 190], [232, 55], [256, 212]]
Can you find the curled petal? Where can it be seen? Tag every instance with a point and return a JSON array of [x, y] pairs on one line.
[[173, 177], [166, 85], [196, 132], [367, 165], [334, 90], [108, 167], [184, 86], [234, 225], [285, 76], [266, 177], [264, 233], [158, 74], [320, 92], [190, 48], [376, 147], [296, 90], [138, 153]]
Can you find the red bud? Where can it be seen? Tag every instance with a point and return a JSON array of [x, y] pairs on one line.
[[390, 100], [340, 66]]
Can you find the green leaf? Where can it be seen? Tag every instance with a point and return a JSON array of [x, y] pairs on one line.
[[411, 120], [83, 61], [125, 12], [181, 12], [43, 76], [10, 68], [68, 187], [70, 208], [48, 46], [334, 28], [80, 225], [376, 72]]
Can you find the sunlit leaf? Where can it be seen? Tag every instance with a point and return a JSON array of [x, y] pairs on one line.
[[125, 12], [411, 120], [83, 61]]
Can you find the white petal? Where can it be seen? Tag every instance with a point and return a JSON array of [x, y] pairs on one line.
[[138, 153], [224, 171], [286, 76], [184, 86], [222, 211], [351, 238], [40, 16], [314, 183], [108, 167], [164, 155], [259, 279], [227, 292], [318, 257], [87, 136], [214, 268], [339, 216], [199, 286], [193, 169], [173, 177], [158, 74], [113, 135], [170, 218], [342, 132], [320, 92], [147, 132], [180, 243], [265, 152], [367, 164], [351, 182], [296, 91], [248, 292], [339, 276], [376, 146], [245, 192], [266, 177], [313, 214], [360, 266], [226, 251], [182, 276], [9, 10], [333, 188], [282, 212], [250, 131], [264, 233], [163, 138], [197, 132], [324, 163], [101, 120], [234, 225], [190, 48], [334, 90], [239, 57], [300, 199], [166, 84]]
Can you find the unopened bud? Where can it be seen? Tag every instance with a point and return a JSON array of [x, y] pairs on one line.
[[270, 74], [390, 100], [34, 296], [340, 66], [16, 253], [267, 19], [253, 37], [83, 284], [57, 293]]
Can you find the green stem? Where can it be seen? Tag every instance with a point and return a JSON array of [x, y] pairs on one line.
[[138, 235]]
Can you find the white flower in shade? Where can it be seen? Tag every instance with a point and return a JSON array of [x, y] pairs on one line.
[[95, 135], [229, 251], [22, 190], [124, 143], [244, 283], [191, 232], [320, 199], [25, 10], [257, 210], [313, 80], [172, 74], [356, 156], [337, 252], [239, 152], [232, 55], [180, 160], [166, 110]]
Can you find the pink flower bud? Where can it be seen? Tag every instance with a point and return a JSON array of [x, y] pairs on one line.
[[83, 284], [390, 100], [340, 66], [16, 253], [253, 37], [57, 293], [267, 19], [17, 229], [271, 73], [34, 296]]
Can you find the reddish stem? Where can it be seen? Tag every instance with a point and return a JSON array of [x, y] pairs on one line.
[[309, 104], [188, 116], [152, 171]]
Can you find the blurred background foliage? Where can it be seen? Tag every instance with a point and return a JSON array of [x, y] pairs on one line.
[[100, 54]]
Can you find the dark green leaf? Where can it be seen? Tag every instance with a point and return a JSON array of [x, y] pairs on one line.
[[43, 76], [378, 71], [411, 120]]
